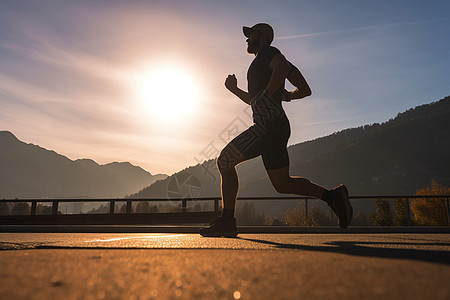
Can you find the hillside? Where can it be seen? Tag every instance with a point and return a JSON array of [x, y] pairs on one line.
[[395, 157], [29, 171]]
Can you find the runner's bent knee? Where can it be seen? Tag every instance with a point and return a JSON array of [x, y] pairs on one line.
[[227, 160]]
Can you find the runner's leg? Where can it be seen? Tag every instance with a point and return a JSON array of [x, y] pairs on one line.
[[286, 184], [229, 158], [225, 226], [337, 198]]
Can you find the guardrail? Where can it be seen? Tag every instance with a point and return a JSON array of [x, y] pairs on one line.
[[112, 202], [185, 216]]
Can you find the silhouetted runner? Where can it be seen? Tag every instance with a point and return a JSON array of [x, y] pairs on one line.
[[269, 134]]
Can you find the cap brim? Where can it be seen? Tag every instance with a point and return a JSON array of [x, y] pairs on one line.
[[247, 31]]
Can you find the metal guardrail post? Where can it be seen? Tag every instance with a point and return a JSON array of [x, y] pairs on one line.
[[129, 202], [448, 210], [408, 212], [112, 207], [306, 209], [331, 215], [33, 208], [55, 208], [216, 205], [183, 205]]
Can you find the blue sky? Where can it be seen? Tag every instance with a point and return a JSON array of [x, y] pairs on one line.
[[69, 70]]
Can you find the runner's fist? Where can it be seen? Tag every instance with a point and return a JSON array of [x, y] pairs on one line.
[[231, 82], [287, 96]]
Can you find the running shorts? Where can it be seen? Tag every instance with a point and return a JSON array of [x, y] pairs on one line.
[[268, 136]]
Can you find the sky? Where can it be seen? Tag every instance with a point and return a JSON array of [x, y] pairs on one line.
[[143, 81]]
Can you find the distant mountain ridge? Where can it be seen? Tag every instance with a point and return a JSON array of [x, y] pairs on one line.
[[30, 171], [395, 157]]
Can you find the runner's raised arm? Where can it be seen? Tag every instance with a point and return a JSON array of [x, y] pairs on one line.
[[231, 85], [302, 88]]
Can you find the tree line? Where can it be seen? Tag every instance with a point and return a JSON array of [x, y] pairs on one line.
[[421, 212]]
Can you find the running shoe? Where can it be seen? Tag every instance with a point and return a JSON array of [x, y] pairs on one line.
[[341, 205], [220, 227]]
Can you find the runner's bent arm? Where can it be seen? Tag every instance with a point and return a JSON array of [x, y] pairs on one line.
[[280, 68], [302, 88], [231, 85]]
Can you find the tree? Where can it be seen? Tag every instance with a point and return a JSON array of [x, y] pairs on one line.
[[360, 219], [401, 212], [207, 207], [123, 208], [318, 218], [196, 207], [142, 207], [21, 208], [246, 215], [42, 209], [145, 207], [297, 217], [431, 211], [383, 215], [153, 209]]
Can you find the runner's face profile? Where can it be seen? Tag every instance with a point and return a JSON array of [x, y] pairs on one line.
[[254, 42]]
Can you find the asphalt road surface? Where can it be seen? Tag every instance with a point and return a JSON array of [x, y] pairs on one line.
[[252, 266]]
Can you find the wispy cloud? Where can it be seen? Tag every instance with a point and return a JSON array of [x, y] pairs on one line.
[[44, 50], [35, 104], [351, 30]]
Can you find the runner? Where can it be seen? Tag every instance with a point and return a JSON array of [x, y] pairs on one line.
[[269, 134]]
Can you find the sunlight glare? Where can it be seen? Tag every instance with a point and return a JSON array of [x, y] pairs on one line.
[[168, 93]]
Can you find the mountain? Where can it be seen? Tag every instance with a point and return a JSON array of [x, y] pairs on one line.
[[395, 158], [29, 171]]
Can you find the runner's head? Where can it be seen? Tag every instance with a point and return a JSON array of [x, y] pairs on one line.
[[258, 35]]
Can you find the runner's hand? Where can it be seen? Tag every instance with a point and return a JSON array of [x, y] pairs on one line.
[[287, 96], [231, 82]]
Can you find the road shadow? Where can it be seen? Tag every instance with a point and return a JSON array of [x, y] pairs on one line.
[[359, 249]]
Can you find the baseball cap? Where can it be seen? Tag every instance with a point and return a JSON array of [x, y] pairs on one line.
[[261, 28]]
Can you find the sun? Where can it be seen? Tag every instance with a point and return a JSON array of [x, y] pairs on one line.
[[168, 93]]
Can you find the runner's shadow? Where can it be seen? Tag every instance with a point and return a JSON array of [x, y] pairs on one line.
[[359, 249]]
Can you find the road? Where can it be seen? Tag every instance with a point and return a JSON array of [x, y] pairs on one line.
[[252, 266]]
